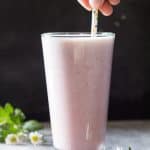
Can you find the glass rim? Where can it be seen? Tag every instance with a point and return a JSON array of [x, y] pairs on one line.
[[77, 34]]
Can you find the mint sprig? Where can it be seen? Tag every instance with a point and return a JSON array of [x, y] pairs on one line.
[[12, 120]]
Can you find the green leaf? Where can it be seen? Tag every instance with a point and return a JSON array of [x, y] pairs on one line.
[[4, 116], [2, 111], [32, 125], [4, 131], [19, 113], [9, 108], [2, 137]]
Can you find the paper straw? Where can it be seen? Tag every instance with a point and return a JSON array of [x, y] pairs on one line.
[[94, 24]]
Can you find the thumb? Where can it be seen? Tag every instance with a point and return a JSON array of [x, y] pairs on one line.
[[96, 3]]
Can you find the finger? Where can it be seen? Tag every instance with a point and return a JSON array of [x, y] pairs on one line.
[[114, 2], [85, 4], [96, 3], [106, 9]]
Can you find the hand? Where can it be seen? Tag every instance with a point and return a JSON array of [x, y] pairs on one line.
[[104, 6]]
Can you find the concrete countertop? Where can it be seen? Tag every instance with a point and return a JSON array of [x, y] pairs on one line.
[[120, 133]]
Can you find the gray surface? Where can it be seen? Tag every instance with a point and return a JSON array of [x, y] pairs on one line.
[[134, 134], [123, 134]]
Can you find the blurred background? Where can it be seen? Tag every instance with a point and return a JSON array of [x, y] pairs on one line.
[[22, 77]]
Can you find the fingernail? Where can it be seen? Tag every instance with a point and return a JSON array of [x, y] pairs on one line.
[[85, 6], [96, 3]]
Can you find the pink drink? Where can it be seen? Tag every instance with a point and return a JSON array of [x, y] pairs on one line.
[[78, 69]]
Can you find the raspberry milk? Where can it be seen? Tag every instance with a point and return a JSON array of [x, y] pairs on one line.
[[78, 70]]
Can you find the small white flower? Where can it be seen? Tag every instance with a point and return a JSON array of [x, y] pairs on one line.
[[22, 138], [36, 138], [11, 139]]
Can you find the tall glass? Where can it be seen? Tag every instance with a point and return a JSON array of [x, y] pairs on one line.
[[78, 70]]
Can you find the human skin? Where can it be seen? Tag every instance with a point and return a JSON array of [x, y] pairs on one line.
[[104, 6]]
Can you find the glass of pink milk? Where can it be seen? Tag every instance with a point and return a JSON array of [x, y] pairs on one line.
[[78, 71]]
